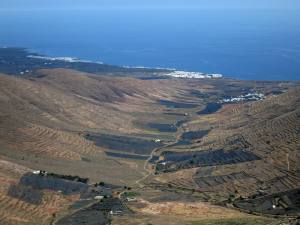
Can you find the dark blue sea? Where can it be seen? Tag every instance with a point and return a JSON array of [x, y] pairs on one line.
[[247, 44]]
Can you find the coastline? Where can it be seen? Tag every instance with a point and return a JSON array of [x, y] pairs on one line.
[[47, 61], [143, 72]]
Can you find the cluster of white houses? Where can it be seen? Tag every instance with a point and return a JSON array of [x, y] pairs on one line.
[[247, 97], [63, 59], [198, 75]]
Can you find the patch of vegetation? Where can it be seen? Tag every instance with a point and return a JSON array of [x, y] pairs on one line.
[[234, 221], [27, 194], [163, 127], [69, 177], [123, 143], [182, 160], [64, 184], [286, 203], [127, 188], [130, 194], [101, 183], [177, 105], [85, 159], [210, 108]]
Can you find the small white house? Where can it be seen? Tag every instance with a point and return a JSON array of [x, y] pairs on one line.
[[163, 163], [131, 199], [98, 197]]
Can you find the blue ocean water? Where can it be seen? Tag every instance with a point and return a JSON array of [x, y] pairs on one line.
[[246, 44]]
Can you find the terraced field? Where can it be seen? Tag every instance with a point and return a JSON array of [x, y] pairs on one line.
[[267, 129], [150, 136], [183, 160], [15, 210]]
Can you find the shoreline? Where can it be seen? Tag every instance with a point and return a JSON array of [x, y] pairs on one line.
[[153, 72], [170, 72]]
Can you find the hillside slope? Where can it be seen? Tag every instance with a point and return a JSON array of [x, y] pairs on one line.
[[248, 151], [103, 129]]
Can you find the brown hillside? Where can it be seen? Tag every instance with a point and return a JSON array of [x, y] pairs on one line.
[[68, 122], [269, 129]]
